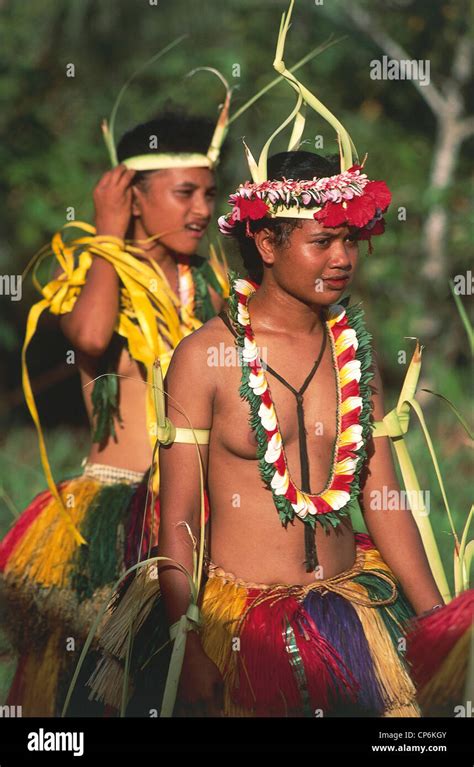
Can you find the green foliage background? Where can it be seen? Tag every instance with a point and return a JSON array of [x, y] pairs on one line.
[[51, 156]]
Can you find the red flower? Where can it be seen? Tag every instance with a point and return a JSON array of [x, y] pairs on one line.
[[253, 209], [380, 193], [360, 210], [331, 214], [366, 234], [357, 212]]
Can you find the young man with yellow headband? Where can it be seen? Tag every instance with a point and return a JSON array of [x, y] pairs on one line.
[[126, 294], [297, 614]]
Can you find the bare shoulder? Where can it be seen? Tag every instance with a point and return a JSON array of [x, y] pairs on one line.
[[191, 357], [191, 381], [198, 343]]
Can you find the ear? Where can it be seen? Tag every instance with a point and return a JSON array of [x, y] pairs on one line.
[[265, 244]]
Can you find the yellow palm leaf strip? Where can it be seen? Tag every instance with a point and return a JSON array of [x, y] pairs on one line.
[[168, 300], [262, 160], [396, 423], [136, 277], [31, 325], [220, 268], [318, 106], [166, 318]]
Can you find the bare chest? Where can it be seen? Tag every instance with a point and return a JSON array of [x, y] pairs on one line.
[[307, 417]]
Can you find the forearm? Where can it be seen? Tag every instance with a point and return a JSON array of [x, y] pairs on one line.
[[397, 537], [174, 584]]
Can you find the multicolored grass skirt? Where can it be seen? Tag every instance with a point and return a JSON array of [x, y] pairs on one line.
[[52, 588], [331, 648]]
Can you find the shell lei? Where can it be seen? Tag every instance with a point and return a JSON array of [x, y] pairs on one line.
[[353, 354]]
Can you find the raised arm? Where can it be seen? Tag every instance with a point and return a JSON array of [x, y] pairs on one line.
[[90, 325], [191, 388], [394, 531]]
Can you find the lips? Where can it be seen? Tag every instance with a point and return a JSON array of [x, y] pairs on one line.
[[336, 282], [196, 229]]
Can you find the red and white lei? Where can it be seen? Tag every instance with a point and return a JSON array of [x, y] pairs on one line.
[[349, 448]]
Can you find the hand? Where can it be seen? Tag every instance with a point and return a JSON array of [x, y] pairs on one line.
[[201, 687], [113, 202]]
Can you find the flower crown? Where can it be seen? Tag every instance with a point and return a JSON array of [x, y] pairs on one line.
[[347, 198]]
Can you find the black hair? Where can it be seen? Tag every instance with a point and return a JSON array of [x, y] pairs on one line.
[[289, 165], [175, 131]]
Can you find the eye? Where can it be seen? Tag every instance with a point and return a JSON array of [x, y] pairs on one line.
[[211, 195], [184, 192], [323, 242]]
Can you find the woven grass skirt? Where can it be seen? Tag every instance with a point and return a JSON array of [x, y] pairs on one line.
[[333, 648], [51, 589]]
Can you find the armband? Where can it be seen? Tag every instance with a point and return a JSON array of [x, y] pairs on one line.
[[190, 621]]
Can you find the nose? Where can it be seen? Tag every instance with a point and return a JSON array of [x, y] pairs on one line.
[[202, 207], [341, 254]]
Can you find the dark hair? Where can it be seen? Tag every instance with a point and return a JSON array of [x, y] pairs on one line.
[[175, 131], [289, 165]]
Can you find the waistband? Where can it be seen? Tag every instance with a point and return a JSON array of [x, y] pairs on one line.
[[110, 475], [342, 583], [214, 571]]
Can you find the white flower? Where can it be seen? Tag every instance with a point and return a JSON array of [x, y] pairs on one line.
[[244, 287], [350, 404], [337, 499], [352, 435], [301, 505], [243, 316], [267, 416], [250, 351], [273, 449], [224, 226], [350, 372], [257, 382], [346, 339], [280, 483], [346, 466]]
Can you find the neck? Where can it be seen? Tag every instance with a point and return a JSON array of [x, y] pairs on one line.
[[274, 309]]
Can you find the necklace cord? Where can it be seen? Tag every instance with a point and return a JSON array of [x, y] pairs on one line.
[[311, 560]]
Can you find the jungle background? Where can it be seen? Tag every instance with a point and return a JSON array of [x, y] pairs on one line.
[[418, 138]]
